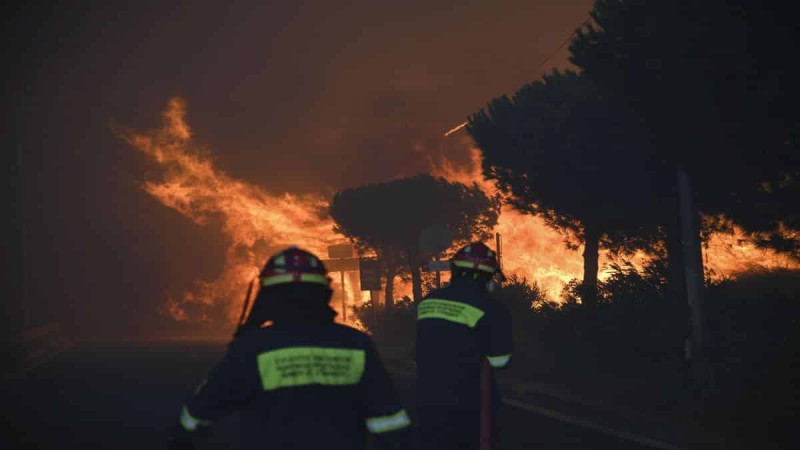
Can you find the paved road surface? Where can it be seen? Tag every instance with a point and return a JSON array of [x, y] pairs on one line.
[[123, 396]]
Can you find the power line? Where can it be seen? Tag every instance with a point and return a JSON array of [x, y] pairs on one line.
[[569, 38], [555, 52]]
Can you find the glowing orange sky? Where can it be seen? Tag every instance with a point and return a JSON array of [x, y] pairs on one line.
[[299, 97]]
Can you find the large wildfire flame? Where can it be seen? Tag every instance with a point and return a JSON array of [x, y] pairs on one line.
[[539, 252], [531, 249], [257, 224]]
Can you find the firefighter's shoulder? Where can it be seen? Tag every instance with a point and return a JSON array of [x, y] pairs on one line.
[[318, 330], [353, 334], [446, 291]]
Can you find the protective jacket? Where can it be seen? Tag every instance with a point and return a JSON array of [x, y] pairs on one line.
[[301, 386], [458, 326]]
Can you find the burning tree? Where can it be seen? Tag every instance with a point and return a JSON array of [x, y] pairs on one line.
[[560, 150], [390, 217]]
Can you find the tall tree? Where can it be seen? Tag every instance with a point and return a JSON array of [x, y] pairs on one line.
[[390, 217], [715, 84], [564, 153]]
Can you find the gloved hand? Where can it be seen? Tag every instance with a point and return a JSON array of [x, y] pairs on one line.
[[179, 439]]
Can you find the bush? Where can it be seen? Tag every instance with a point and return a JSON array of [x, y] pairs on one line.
[[752, 343], [533, 315], [635, 327], [752, 325]]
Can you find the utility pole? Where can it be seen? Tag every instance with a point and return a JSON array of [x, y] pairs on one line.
[[695, 280], [344, 298], [438, 273], [340, 259], [497, 244], [373, 300]]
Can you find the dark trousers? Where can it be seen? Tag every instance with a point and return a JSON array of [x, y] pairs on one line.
[[445, 428]]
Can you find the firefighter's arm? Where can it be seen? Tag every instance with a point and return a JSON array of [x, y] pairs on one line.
[[386, 418], [229, 385], [500, 341]]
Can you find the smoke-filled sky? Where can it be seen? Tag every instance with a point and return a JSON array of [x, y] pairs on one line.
[[294, 96]]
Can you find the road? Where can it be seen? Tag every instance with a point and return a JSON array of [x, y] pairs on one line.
[[124, 396]]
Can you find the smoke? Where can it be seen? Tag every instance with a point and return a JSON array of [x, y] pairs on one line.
[[388, 135]]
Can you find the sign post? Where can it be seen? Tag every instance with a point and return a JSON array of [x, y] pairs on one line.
[[437, 266], [369, 271], [370, 274], [435, 238], [344, 298], [340, 252], [342, 260]]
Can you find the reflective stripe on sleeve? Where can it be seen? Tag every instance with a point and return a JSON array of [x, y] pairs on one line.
[[189, 422], [388, 423], [499, 361]]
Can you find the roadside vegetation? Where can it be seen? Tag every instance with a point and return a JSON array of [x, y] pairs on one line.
[[625, 152]]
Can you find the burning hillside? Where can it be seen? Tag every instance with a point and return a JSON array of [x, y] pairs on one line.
[[257, 223]]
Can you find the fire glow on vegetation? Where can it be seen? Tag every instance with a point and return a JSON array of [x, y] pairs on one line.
[[258, 223], [535, 251], [727, 254], [530, 249]]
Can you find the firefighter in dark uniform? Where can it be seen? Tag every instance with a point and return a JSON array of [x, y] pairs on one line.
[[297, 379], [458, 327]]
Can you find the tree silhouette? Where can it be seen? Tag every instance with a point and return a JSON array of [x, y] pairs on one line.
[[390, 217], [562, 151], [715, 83]]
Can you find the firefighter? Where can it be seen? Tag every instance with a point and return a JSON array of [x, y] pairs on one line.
[[458, 327], [297, 379]]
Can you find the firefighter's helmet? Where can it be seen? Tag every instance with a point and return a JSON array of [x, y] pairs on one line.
[[293, 265], [476, 256]]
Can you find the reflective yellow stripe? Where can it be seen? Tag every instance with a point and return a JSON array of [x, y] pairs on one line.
[[388, 423], [189, 422], [434, 308], [469, 265], [314, 278], [277, 279], [301, 366], [499, 361], [288, 278]]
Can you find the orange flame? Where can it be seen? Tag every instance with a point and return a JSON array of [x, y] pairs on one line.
[[728, 254], [257, 223], [535, 251], [531, 249]]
